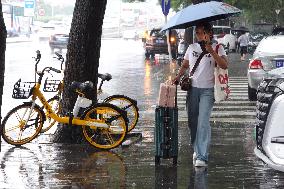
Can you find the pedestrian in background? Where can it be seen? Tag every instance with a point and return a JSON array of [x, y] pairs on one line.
[[243, 42], [200, 97]]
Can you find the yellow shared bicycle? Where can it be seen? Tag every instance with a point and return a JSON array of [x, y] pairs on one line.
[[104, 125], [123, 102]]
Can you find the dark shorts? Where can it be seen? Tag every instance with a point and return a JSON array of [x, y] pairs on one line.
[[244, 50]]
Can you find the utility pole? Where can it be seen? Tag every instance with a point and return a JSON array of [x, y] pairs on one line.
[[166, 4], [277, 16]]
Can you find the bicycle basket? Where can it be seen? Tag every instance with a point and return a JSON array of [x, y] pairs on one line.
[[51, 85], [22, 90]]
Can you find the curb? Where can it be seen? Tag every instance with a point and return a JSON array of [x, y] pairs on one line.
[[20, 41]]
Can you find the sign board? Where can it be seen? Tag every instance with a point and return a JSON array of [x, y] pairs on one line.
[[41, 12], [166, 5], [29, 8]]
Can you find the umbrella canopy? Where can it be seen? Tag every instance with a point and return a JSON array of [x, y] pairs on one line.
[[242, 28], [193, 14]]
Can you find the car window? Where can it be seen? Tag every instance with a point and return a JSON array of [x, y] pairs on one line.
[[271, 45], [217, 30], [157, 33], [221, 31], [226, 30]]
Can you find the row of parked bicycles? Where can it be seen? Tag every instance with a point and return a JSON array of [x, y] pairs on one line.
[[105, 122]]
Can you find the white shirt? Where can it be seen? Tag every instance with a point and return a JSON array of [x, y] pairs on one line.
[[203, 77], [243, 40]]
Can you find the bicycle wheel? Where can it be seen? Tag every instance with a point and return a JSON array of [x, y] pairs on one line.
[[127, 104], [113, 135], [56, 107], [22, 124]]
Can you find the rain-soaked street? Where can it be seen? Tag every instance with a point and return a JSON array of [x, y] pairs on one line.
[[42, 164]]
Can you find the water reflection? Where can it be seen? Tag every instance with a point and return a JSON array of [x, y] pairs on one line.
[[165, 177], [198, 178], [147, 79], [21, 167], [106, 169], [103, 169], [49, 167]]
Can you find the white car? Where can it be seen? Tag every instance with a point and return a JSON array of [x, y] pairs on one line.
[[223, 34], [268, 55], [45, 31], [130, 34]]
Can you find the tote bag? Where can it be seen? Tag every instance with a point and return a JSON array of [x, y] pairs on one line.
[[221, 87]]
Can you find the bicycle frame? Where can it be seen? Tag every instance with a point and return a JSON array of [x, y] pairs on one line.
[[65, 119]]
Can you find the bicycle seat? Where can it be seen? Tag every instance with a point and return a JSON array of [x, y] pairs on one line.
[[105, 77], [84, 87]]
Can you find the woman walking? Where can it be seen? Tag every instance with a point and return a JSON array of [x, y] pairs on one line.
[[200, 97]]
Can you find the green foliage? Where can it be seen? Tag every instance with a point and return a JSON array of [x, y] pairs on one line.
[[254, 11], [259, 11], [177, 5]]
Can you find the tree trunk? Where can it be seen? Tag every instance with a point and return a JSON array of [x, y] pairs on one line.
[[3, 35], [82, 59]]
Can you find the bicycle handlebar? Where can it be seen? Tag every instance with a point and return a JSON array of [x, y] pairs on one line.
[[37, 59], [60, 58], [38, 55], [55, 70], [46, 69]]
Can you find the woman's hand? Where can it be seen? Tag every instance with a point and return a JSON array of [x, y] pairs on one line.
[[176, 80]]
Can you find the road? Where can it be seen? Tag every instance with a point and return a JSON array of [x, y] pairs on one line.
[[233, 164], [126, 64]]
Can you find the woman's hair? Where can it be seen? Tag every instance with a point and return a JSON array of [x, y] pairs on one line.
[[206, 26]]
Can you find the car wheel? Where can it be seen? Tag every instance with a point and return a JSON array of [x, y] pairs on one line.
[[251, 94]]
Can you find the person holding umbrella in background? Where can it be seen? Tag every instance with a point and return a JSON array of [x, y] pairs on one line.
[[243, 42]]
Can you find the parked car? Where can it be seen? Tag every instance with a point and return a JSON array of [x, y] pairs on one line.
[[58, 40], [278, 31], [224, 35], [45, 31], [156, 43], [12, 32], [269, 128], [268, 55], [130, 34]]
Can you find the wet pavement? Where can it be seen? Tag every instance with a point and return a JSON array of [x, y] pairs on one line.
[[232, 163], [45, 165]]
